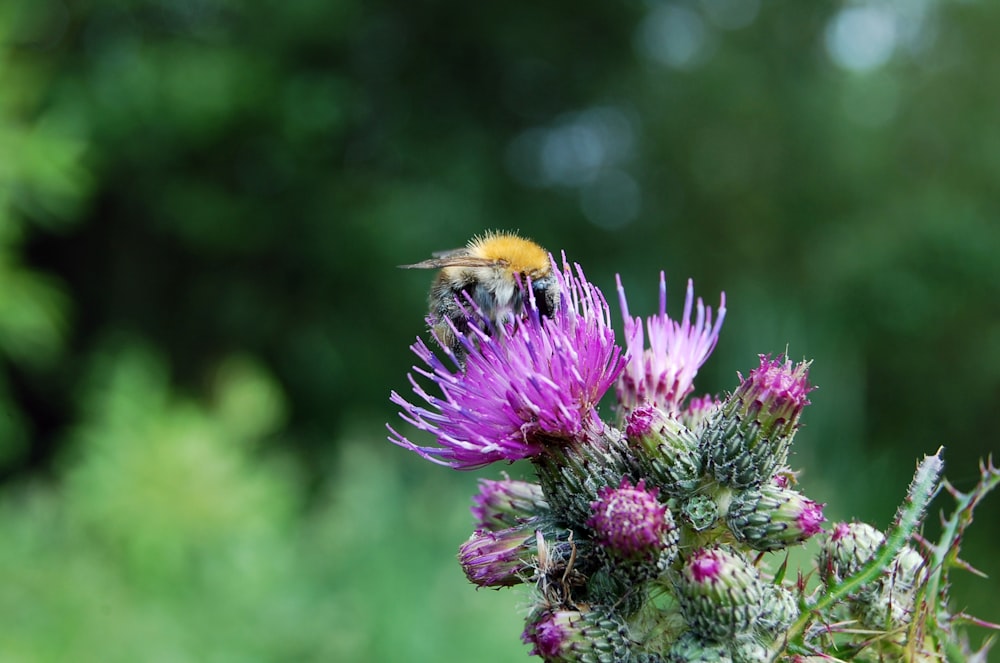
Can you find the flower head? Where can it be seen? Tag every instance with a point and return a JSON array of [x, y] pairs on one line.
[[663, 374], [499, 559], [667, 450], [570, 635], [720, 593], [776, 390], [506, 503], [846, 549], [533, 383], [631, 523], [773, 517], [748, 437]]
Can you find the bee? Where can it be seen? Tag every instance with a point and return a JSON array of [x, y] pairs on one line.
[[492, 272]]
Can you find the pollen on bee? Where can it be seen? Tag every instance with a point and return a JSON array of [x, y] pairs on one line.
[[518, 254]]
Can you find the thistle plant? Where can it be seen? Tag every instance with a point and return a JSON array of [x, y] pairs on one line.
[[657, 534]]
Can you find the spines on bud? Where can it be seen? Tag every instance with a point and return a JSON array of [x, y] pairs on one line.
[[780, 610], [572, 476], [563, 636], [631, 524], [847, 548], [749, 435], [668, 451], [507, 503], [499, 559], [891, 605], [691, 648], [772, 517], [700, 511], [884, 610], [720, 593]]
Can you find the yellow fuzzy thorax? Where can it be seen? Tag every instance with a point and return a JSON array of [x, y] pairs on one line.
[[516, 254]]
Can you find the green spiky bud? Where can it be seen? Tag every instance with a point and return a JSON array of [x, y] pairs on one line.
[[749, 435], [701, 511], [689, 648], [750, 650], [780, 609], [564, 636], [667, 450], [847, 548], [891, 605], [908, 570], [572, 476], [719, 592], [884, 610], [772, 517]]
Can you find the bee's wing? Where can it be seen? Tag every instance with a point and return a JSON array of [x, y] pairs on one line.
[[454, 258], [451, 253]]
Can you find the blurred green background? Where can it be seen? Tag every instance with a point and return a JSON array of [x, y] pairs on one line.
[[202, 204]]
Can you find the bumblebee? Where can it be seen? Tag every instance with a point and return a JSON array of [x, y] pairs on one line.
[[492, 271]]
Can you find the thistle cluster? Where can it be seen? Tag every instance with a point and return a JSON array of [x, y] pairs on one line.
[[644, 537]]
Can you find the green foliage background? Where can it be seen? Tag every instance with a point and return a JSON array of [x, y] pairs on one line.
[[202, 203]]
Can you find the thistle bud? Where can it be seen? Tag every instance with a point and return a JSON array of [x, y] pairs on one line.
[[631, 524], [507, 503], [699, 411], [499, 559], [689, 648], [720, 593], [750, 650], [701, 512], [909, 570], [569, 635], [571, 477], [892, 605], [884, 610], [669, 451], [749, 435], [772, 518], [780, 610], [846, 549]]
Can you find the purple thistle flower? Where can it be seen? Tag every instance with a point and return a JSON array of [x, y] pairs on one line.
[[535, 382], [810, 518], [498, 559], [699, 409], [776, 389], [629, 520], [549, 633], [571, 635], [664, 374], [639, 423], [705, 566], [507, 503]]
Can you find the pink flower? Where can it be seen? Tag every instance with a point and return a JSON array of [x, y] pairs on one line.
[[663, 374], [535, 382]]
